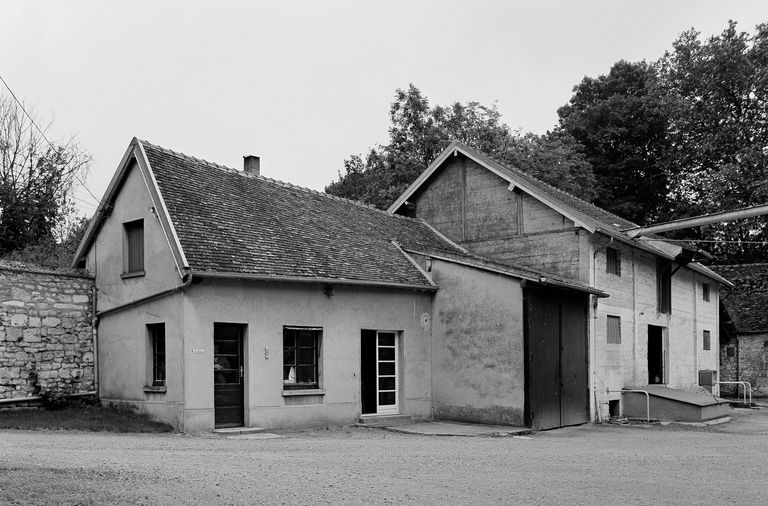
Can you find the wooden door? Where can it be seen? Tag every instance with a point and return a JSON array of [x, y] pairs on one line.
[[556, 376], [574, 380], [228, 375], [543, 374]]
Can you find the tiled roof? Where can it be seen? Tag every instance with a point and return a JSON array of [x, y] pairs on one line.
[[230, 222], [747, 301]]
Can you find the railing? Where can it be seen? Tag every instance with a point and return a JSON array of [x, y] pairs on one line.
[[647, 400], [746, 388]]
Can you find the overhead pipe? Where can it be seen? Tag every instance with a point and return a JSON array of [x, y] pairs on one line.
[[696, 221]]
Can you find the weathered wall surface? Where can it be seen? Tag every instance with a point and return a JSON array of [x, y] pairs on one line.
[[552, 252], [264, 308], [633, 298], [105, 257], [478, 357], [748, 363], [46, 338]]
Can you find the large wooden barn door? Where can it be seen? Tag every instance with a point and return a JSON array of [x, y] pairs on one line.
[[556, 358]]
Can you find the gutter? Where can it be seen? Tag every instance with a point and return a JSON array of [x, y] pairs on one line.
[[300, 279], [159, 295]]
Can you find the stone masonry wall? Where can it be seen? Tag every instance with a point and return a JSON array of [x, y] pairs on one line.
[[46, 338]]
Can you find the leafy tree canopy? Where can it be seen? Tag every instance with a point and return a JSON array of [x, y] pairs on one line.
[[419, 132]]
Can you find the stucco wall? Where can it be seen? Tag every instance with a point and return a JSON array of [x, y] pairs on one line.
[[105, 257], [478, 357], [265, 308], [46, 341], [125, 359]]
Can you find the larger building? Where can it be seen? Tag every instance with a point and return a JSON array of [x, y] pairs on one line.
[[225, 298]]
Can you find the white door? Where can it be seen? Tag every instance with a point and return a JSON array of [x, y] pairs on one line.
[[386, 373]]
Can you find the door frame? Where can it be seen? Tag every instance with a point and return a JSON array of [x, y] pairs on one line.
[[242, 333], [371, 337]]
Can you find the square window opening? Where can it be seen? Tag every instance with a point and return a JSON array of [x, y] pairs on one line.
[[730, 352], [301, 352], [614, 408]]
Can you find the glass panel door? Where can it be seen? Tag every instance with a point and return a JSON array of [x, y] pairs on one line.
[[386, 372]]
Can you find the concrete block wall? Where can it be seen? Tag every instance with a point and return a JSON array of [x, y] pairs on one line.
[[46, 337]]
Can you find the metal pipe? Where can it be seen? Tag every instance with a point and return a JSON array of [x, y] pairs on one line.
[[148, 298], [647, 400], [706, 219], [747, 387]]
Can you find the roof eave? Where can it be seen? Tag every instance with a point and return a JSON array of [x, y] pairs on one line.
[[313, 280]]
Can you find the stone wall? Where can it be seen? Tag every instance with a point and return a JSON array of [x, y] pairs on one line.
[[46, 337]]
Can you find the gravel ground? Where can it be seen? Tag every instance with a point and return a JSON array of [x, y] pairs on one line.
[[591, 464]]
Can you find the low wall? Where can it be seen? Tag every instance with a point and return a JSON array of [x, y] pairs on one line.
[[46, 336]]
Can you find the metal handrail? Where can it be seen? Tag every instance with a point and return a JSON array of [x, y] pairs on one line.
[[747, 388], [647, 400]]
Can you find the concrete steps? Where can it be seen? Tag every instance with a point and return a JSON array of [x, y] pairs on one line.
[[385, 420], [239, 431], [670, 404]]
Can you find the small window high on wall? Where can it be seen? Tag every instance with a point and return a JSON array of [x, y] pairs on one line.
[[707, 340], [664, 285], [613, 261], [133, 248], [614, 329]]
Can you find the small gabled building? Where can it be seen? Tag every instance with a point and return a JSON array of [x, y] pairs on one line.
[[225, 298], [744, 324], [659, 324]]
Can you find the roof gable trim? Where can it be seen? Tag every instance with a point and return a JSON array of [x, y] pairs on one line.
[[454, 148], [135, 152]]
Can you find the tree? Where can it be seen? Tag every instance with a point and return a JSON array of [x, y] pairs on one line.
[[621, 121], [717, 95], [419, 132], [36, 179]]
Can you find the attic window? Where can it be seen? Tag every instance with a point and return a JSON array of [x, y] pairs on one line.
[[613, 261], [705, 291], [133, 248]]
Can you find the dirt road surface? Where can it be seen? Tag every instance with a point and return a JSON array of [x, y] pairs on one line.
[[591, 464]]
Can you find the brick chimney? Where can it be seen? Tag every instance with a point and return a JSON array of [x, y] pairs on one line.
[[252, 165]]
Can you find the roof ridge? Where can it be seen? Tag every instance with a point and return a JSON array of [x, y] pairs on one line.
[[544, 183], [277, 181], [190, 157]]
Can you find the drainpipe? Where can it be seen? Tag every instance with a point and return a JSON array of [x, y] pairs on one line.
[[187, 281], [706, 219], [95, 332], [593, 325]]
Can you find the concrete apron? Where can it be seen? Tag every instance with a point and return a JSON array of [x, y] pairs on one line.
[[441, 428]]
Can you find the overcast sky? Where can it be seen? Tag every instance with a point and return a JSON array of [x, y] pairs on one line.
[[306, 84]]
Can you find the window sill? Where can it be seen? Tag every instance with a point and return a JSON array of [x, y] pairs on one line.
[[306, 391], [127, 275], [155, 389]]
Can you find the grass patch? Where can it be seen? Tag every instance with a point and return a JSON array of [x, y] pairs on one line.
[[83, 418]]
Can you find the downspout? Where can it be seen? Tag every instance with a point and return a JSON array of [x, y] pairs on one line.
[[95, 332], [593, 324]]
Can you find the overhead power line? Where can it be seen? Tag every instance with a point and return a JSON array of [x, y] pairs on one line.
[[18, 102]]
